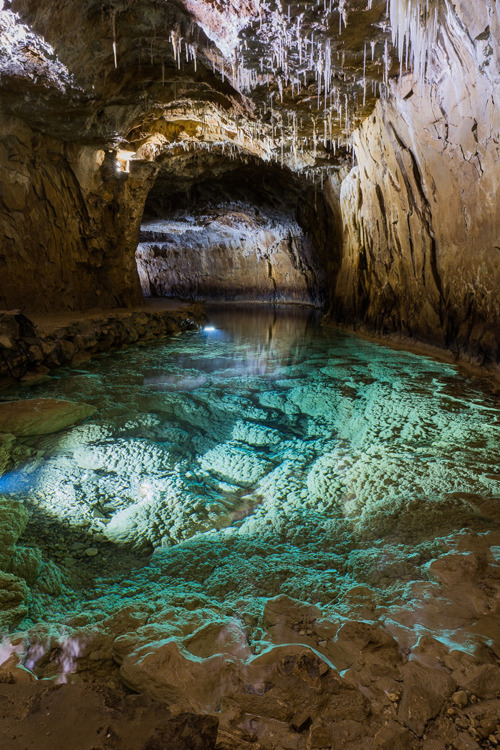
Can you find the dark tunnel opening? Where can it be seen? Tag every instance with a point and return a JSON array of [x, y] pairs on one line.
[[247, 232]]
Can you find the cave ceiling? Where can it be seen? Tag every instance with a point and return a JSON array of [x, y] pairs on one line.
[[287, 83]]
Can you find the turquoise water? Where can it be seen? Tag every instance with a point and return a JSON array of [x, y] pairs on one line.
[[261, 455]]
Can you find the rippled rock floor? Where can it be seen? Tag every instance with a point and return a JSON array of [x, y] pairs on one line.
[[284, 526]]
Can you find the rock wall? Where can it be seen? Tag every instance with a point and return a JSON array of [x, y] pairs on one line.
[[236, 252], [69, 223], [27, 348], [421, 215]]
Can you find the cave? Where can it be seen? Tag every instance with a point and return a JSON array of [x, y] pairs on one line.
[[249, 375], [240, 234]]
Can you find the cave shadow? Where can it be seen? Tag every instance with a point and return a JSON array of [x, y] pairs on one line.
[[216, 194]]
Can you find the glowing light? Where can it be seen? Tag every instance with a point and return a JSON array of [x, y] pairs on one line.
[[210, 329], [123, 159]]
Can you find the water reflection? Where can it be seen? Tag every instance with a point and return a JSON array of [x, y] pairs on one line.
[[252, 341]]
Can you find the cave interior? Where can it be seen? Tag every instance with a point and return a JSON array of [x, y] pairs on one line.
[[249, 374]]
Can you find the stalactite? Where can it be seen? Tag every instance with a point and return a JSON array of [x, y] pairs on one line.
[[113, 30], [414, 31]]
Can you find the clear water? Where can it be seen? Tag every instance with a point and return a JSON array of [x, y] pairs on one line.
[[262, 455]]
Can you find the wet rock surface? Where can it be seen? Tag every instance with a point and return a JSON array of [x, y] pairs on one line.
[[250, 551], [232, 252], [26, 348]]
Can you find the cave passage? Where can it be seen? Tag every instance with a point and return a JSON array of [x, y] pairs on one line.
[[267, 532], [243, 234]]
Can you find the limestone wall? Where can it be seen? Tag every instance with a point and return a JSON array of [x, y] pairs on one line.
[[421, 215], [232, 252], [69, 223]]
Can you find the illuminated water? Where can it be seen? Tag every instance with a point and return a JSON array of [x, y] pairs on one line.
[[262, 455]]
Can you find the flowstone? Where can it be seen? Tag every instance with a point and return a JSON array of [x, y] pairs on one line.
[[301, 546]]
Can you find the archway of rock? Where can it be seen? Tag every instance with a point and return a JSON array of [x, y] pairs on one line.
[[221, 228]]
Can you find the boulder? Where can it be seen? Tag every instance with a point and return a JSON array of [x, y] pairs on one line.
[[168, 672], [482, 680], [458, 568], [360, 643], [424, 693], [393, 736], [41, 416], [227, 637], [294, 683]]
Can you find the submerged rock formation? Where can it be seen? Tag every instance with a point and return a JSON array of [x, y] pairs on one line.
[[14, 591], [286, 528]]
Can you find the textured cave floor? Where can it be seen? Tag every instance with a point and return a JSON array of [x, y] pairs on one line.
[[261, 456]]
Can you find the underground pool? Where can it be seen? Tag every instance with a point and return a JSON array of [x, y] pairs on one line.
[[263, 484]]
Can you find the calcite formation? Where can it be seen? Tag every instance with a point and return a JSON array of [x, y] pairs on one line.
[[14, 592], [278, 540], [407, 241]]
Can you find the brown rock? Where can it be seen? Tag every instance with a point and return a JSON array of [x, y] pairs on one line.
[[465, 742], [227, 637], [482, 680], [168, 672], [460, 698], [41, 416], [320, 736], [431, 744], [297, 678], [364, 644], [424, 693], [485, 712], [458, 568], [393, 737], [47, 716]]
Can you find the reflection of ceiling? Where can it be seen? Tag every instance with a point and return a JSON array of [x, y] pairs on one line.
[[286, 82]]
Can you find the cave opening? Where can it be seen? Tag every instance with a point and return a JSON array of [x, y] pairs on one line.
[[234, 230]]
